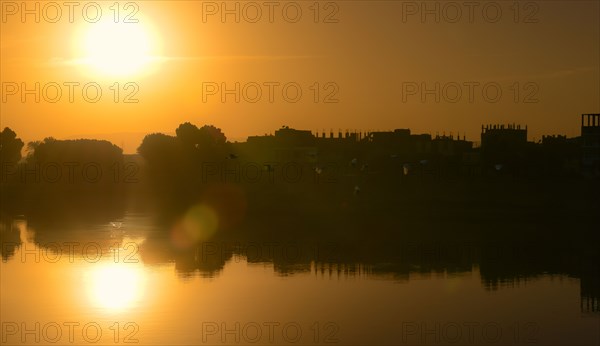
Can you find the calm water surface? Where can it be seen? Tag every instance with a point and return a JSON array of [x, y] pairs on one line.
[[115, 288]]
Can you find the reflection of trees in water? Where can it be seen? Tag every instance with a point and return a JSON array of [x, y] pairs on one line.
[[518, 255], [66, 233], [10, 238], [516, 235]]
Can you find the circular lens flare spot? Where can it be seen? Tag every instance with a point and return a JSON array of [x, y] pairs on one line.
[[200, 222]]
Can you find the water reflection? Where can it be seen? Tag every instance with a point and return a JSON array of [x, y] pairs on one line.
[[115, 286], [143, 276], [118, 256]]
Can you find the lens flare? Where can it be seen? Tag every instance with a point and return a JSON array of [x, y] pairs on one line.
[[199, 223]]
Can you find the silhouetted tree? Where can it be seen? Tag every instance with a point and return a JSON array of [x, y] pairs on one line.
[[211, 144], [62, 177], [31, 146], [159, 149], [207, 136], [175, 163], [10, 154], [79, 150], [10, 146], [188, 134], [212, 136]]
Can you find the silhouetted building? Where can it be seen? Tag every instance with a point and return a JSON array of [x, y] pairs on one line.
[[559, 155], [503, 147], [451, 146], [501, 135], [590, 137], [292, 137], [286, 145], [399, 136]]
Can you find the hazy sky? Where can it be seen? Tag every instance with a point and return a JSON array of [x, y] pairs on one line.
[[372, 60]]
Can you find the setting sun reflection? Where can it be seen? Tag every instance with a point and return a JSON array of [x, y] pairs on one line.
[[116, 286]]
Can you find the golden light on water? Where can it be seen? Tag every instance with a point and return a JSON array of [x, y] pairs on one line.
[[116, 286]]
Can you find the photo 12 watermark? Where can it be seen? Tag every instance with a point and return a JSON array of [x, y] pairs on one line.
[[89, 252], [69, 11], [69, 92], [69, 332], [469, 333], [287, 12], [270, 332], [470, 92], [69, 172], [472, 12], [270, 92]]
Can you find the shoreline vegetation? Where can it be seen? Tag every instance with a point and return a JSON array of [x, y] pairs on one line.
[[387, 175]]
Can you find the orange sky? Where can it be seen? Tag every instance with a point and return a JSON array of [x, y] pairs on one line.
[[371, 57]]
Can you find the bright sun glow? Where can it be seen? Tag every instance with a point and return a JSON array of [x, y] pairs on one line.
[[118, 49], [116, 286]]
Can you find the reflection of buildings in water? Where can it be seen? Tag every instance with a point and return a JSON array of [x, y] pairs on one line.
[[590, 286], [500, 265]]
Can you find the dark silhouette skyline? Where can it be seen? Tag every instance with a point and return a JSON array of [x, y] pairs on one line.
[[358, 170]]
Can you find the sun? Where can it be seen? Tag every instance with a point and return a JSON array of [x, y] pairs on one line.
[[118, 49]]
